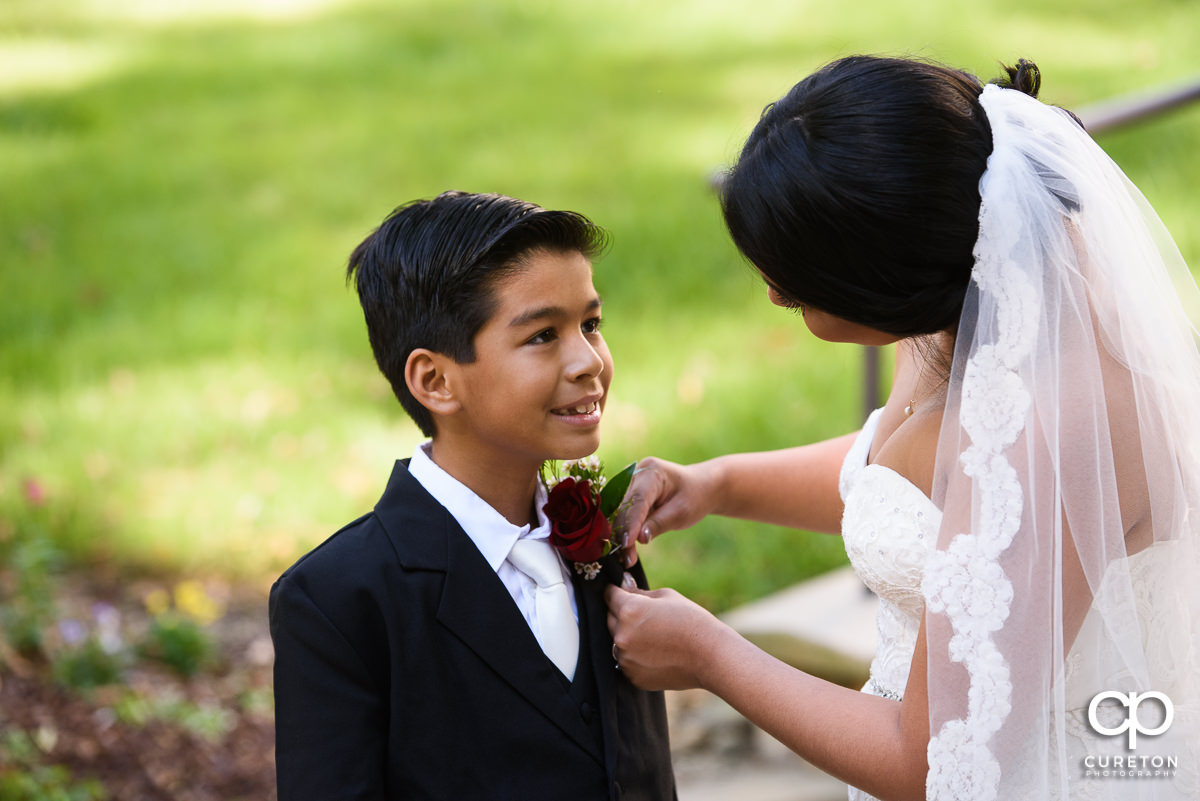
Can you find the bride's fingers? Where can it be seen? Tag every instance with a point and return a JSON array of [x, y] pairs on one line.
[[629, 554], [644, 492], [618, 600], [672, 513], [615, 598]]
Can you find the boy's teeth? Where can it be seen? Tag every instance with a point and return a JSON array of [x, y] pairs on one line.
[[578, 409]]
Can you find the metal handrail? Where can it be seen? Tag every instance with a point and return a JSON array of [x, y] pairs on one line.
[[1097, 118], [1127, 109]]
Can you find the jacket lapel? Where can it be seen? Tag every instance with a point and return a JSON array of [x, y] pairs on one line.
[[590, 597], [474, 605]]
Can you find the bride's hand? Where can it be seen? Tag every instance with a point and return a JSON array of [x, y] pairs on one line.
[[664, 496], [661, 639]]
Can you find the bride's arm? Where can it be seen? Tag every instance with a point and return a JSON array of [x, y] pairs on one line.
[[665, 641], [795, 487]]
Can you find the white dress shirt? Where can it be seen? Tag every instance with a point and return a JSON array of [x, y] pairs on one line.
[[491, 532]]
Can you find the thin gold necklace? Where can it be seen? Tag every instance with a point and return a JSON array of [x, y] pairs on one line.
[[912, 401]]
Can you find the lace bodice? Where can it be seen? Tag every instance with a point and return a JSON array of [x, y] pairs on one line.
[[889, 528]]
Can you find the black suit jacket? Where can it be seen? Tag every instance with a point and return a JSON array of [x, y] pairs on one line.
[[403, 669]]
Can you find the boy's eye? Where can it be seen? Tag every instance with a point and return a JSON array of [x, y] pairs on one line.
[[592, 326], [542, 337]]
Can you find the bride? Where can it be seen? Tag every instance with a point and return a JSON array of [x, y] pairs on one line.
[[1026, 504]]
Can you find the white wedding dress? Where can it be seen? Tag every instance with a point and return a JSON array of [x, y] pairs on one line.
[[889, 528]]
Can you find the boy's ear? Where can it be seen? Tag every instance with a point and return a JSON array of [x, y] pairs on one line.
[[425, 373]]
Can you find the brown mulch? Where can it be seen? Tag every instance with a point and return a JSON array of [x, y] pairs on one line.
[[157, 757]]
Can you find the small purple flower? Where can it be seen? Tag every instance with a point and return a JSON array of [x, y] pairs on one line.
[[108, 627], [73, 632]]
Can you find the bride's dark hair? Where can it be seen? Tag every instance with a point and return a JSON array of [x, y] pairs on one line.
[[858, 192]]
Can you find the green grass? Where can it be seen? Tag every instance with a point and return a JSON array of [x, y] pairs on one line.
[[181, 366]]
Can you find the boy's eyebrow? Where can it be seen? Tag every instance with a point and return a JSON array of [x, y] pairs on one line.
[[546, 312]]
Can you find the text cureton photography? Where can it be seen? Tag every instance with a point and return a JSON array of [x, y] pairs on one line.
[[1133, 766], [1112, 713]]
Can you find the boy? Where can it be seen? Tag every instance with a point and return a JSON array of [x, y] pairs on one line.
[[414, 658]]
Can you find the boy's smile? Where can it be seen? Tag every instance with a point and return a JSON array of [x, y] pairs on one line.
[[537, 387]]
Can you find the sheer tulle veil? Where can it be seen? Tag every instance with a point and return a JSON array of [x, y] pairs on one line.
[[1066, 581]]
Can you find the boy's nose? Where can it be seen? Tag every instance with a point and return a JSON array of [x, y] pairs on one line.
[[585, 360]]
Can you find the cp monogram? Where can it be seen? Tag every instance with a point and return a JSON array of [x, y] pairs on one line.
[[1131, 722]]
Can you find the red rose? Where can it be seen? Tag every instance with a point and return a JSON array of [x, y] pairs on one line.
[[577, 528]]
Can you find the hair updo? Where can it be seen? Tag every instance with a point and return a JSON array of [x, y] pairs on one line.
[[858, 192]]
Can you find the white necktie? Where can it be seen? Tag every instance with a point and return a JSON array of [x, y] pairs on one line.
[[558, 632]]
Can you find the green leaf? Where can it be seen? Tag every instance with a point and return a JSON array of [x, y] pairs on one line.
[[614, 491]]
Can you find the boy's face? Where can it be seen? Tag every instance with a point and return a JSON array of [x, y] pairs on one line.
[[540, 378]]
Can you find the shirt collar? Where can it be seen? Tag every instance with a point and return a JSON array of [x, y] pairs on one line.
[[491, 532]]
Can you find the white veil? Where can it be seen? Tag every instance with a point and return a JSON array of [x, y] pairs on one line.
[[1068, 473]]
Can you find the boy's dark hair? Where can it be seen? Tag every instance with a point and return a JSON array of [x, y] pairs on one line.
[[858, 192], [425, 276]]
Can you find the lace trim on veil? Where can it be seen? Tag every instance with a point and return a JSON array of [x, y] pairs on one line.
[[965, 581]]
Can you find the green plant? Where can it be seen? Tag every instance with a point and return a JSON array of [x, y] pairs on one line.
[[257, 701], [87, 665], [208, 721], [28, 564], [23, 779], [48, 783], [178, 642]]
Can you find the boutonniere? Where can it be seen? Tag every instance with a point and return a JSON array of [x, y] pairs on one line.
[[581, 507]]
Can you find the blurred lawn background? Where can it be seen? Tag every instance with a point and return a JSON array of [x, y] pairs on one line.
[[185, 381]]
